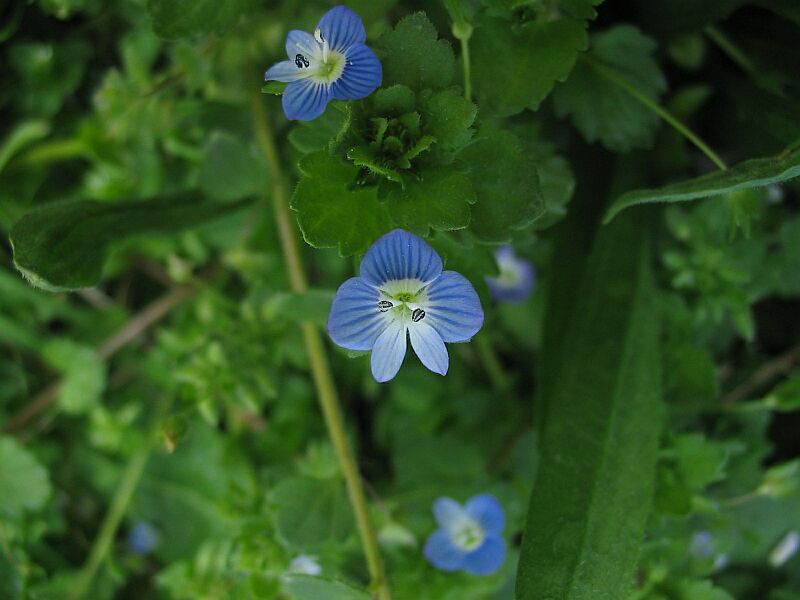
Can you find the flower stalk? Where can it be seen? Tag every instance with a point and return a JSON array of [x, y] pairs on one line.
[[320, 368]]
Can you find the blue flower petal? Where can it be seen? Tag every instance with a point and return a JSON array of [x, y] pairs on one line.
[[341, 28], [486, 510], [286, 71], [388, 352], [429, 347], [517, 277], [453, 307], [301, 42], [362, 74], [355, 321], [442, 553], [448, 513], [487, 557], [305, 100], [400, 255]]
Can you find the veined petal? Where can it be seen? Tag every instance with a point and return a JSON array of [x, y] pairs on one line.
[[400, 255], [305, 100], [361, 75], [388, 352], [448, 513], [487, 557], [428, 345], [302, 42], [287, 71], [453, 307], [442, 553], [355, 321], [487, 512], [341, 28]]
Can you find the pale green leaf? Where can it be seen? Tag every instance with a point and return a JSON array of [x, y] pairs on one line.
[[310, 512], [24, 482], [307, 587]]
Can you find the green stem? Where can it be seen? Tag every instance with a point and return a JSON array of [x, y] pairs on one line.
[[465, 61], [320, 369], [492, 365], [117, 510], [664, 114], [734, 53], [54, 151]]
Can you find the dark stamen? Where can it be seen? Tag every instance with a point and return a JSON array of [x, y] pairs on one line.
[[384, 305], [301, 61], [417, 315]]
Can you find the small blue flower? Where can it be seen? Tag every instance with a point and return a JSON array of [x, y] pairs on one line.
[[142, 537], [470, 536], [303, 564], [402, 293], [516, 280], [332, 64]]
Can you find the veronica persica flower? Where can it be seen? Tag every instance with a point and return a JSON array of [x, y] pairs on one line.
[[469, 537], [402, 293], [332, 64], [142, 537], [516, 280]]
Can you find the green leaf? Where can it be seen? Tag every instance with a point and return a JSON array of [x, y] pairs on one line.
[[63, 245], [785, 397], [516, 68], [556, 180], [448, 118], [507, 186], [83, 374], [308, 587], [176, 19], [757, 172], [333, 212], [598, 107], [311, 512], [312, 305], [363, 156], [24, 481], [413, 55], [310, 136], [699, 461], [276, 88], [21, 136], [580, 9], [232, 168], [439, 200], [393, 101], [599, 440]]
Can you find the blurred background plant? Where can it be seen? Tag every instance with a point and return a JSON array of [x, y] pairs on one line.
[[161, 436]]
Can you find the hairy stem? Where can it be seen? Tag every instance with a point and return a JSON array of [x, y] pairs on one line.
[[320, 369], [614, 77]]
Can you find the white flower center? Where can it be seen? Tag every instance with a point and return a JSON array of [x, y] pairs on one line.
[[404, 299], [467, 534]]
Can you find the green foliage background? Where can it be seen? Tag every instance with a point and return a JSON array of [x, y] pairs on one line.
[[642, 154]]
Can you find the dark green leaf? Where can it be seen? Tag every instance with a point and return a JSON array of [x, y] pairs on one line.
[[600, 108], [507, 186], [64, 245], [412, 55], [307, 587], [276, 88], [312, 305], [515, 68], [25, 483], [440, 200], [754, 173], [176, 19], [330, 213], [22, 135], [393, 101], [580, 9], [448, 117], [599, 442]]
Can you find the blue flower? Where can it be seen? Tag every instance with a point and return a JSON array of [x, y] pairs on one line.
[[142, 538], [403, 293], [332, 64], [516, 280], [470, 536]]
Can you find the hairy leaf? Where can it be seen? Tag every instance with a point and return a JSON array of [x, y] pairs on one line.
[[600, 108], [754, 173], [515, 68], [332, 211], [599, 442], [63, 245]]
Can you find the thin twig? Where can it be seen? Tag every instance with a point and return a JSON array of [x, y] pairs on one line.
[[763, 375], [151, 314]]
